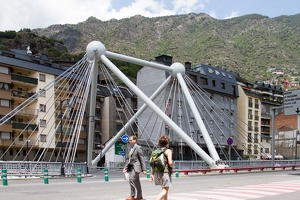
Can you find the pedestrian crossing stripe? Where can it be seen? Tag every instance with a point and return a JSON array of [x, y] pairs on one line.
[[238, 193]]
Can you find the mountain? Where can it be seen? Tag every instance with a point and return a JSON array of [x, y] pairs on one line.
[[250, 44]]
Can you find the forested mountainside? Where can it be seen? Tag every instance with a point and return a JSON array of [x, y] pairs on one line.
[[250, 44]]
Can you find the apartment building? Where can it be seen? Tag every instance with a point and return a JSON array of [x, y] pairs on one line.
[[254, 113], [23, 76], [222, 92]]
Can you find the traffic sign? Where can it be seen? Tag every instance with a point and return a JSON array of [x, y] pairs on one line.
[[123, 153], [291, 103], [230, 141], [125, 138], [119, 147]]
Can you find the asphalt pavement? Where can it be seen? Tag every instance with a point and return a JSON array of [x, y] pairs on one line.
[[275, 185]]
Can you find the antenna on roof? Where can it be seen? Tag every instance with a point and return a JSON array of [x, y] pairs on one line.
[[29, 53]]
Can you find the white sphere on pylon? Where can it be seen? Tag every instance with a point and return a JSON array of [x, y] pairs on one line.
[[177, 68], [95, 48]]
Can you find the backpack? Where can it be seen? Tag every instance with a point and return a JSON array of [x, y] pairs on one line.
[[158, 160]]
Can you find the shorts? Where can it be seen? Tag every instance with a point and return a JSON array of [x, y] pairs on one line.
[[163, 179]]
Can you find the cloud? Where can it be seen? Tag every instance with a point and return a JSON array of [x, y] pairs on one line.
[[232, 15], [187, 6], [213, 14], [18, 14]]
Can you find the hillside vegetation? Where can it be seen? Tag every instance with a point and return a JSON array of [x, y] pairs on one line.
[[249, 44]]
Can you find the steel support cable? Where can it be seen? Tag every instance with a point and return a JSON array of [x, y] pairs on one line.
[[79, 97], [24, 104], [190, 83], [159, 101], [70, 75], [234, 123], [218, 117], [106, 74], [85, 92]]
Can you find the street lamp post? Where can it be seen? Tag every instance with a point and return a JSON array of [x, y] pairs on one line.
[[86, 144], [62, 168], [27, 141]]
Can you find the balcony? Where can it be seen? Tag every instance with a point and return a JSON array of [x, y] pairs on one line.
[[64, 130], [22, 126], [266, 115], [24, 79], [31, 143], [28, 112], [21, 94], [5, 142]]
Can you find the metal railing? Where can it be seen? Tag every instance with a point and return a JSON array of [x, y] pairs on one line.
[[20, 168]]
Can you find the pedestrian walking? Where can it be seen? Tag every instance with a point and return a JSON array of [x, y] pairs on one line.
[[162, 175], [134, 165]]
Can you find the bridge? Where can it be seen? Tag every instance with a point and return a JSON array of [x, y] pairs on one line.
[[61, 115]]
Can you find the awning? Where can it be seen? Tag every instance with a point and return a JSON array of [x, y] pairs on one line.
[[269, 156], [266, 156]]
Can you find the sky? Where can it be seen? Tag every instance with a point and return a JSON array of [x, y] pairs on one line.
[[19, 14]]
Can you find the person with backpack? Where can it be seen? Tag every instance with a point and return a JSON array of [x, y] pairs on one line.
[[161, 163], [135, 164]]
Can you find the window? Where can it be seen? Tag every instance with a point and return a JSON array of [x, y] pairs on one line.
[[4, 86], [42, 77], [203, 81], [249, 125], [211, 123], [231, 126], [193, 78], [250, 102], [213, 82], [250, 116], [119, 127], [43, 123], [81, 141], [5, 135], [42, 108], [42, 92], [4, 70], [221, 137], [233, 90], [222, 125], [21, 138], [249, 137], [4, 103], [222, 85], [43, 138]]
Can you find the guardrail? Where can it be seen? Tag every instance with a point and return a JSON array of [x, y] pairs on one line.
[[236, 169], [20, 168]]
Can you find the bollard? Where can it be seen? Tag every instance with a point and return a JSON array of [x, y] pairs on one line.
[[177, 172], [79, 175], [106, 174], [46, 181], [4, 177], [148, 172]]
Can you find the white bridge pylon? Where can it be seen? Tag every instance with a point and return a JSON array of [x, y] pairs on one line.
[[97, 53]]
